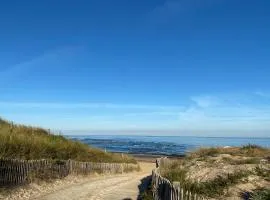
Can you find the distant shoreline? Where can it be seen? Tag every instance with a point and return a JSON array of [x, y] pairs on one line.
[[145, 146], [141, 135]]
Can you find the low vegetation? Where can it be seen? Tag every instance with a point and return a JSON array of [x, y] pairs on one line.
[[262, 172], [211, 188], [260, 194], [24, 142], [221, 173], [241, 161], [147, 194], [249, 150]]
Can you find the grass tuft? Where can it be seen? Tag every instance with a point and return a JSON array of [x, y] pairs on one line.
[[241, 161], [251, 146], [261, 194], [262, 172]]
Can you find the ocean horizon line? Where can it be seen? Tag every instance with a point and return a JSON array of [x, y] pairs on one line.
[[134, 135]]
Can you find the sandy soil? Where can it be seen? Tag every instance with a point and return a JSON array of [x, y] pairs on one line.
[[209, 168], [108, 187]]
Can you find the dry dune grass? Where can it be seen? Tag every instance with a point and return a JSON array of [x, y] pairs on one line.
[[223, 173], [24, 142], [247, 150]]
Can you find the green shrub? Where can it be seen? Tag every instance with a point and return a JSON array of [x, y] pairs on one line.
[[216, 187], [262, 172], [179, 175], [147, 194], [261, 194], [251, 146]]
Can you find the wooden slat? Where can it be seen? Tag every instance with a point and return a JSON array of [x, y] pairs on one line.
[[164, 190], [15, 172]]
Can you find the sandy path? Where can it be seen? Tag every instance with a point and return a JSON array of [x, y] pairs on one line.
[[116, 187]]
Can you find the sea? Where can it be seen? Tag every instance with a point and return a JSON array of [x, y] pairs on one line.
[[163, 145]]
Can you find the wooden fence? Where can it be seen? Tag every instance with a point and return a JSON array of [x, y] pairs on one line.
[[16, 172], [163, 189]]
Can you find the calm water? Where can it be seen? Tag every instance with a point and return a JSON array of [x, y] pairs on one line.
[[163, 145]]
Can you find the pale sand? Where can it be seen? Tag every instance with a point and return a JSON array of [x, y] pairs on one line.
[[108, 187]]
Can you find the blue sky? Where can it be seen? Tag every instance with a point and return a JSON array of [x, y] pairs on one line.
[[157, 66]]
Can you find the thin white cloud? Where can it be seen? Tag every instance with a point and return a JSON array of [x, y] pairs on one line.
[[263, 94], [24, 67], [86, 105], [205, 101], [223, 112], [20, 69], [175, 113], [172, 8], [205, 112]]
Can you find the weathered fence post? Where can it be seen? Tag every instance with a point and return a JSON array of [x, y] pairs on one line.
[[177, 186], [15, 172], [164, 190]]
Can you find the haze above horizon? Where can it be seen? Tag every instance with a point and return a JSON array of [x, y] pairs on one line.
[[158, 66]]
